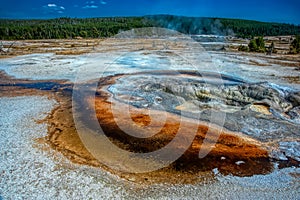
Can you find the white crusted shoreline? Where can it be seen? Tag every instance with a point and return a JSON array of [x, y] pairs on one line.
[[28, 172]]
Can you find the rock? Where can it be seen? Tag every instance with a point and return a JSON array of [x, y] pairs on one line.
[[278, 155], [291, 149], [295, 114], [257, 109], [215, 171], [188, 106], [240, 162], [294, 99], [261, 109], [132, 179]]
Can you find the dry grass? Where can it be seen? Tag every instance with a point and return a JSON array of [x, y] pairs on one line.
[[61, 47], [292, 79]]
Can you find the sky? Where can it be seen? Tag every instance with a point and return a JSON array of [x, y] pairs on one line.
[[286, 11]]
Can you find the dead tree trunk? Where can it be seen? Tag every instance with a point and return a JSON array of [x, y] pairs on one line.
[[271, 49], [6, 51]]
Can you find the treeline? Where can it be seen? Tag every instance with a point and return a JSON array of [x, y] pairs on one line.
[[221, 26], [251, 29], [64, 28]]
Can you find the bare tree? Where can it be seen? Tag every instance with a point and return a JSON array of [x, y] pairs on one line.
[[271, 49], [6, 51]]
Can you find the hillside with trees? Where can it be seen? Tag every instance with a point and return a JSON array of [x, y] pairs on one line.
[[65, 28]]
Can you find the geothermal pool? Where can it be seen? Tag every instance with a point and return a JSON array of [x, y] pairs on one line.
[[257, 103]]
